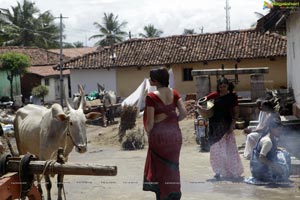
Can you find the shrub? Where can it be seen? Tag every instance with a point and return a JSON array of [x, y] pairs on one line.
[[40, 91]]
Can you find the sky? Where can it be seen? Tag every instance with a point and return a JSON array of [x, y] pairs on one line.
[[169, 16]]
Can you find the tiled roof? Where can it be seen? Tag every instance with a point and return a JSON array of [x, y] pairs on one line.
[[46, 71], [247, 44], [74, 52], [37, 56], [42, 60]]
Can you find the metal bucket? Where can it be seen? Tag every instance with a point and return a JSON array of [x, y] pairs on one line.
[[206, 107]]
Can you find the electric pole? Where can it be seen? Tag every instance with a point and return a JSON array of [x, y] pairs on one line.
[[60, 63]]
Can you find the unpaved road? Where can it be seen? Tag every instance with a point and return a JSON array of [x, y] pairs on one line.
[[196, 175], [196, 178]]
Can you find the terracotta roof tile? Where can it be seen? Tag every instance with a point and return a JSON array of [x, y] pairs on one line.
[[247, 44], [37, 56], [46, 71], [74, 52], [42, 60]]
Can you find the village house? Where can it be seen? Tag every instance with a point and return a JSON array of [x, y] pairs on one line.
[[285, 17], [74, 52], [124, 66], [39, 73]]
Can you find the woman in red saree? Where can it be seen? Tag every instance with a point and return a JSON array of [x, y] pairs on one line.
[[161, 173]]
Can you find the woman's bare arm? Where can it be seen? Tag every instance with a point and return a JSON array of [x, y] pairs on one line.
[[182, 110]]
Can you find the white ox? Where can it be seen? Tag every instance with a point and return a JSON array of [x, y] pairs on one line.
[[108, 97], [41, 131]]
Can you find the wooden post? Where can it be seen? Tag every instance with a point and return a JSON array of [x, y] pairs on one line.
[[38, 167], [257, 82], [202, 86]]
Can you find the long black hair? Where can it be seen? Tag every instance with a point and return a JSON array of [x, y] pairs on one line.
[[161, 75], [224, 80], [267, 105]]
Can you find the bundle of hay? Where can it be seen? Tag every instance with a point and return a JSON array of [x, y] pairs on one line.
[[128, 119], [134, 139], [129, 137]]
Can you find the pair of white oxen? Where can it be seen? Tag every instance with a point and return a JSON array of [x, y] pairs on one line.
[[41, 131]]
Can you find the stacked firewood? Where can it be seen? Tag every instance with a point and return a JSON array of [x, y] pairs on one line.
[[190, 107]]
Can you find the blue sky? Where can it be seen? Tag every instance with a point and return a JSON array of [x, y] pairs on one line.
[[170, 16]]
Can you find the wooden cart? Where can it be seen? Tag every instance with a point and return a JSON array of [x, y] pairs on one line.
[[16, 176]]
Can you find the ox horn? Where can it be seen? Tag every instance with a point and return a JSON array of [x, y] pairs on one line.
[[66, 99], [82, 101]]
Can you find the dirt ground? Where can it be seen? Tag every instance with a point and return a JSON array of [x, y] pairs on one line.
[[196, 174], [108, 136], [197, 180]]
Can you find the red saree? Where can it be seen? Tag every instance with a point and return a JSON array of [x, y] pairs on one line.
[[161, 173]]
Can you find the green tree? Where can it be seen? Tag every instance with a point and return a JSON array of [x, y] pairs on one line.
[[40, 91], [189, 31], [68, 46], [110, 30], [14, 64], [24, 25], [78, 44], [151, 31]]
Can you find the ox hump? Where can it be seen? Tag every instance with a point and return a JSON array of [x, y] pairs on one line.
[[31, 109]]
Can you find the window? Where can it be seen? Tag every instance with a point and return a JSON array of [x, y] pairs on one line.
[[187, 74], [47, 81]]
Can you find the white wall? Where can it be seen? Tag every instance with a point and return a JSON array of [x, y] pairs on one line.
[[54, 92], [89, 79], [293, 54]]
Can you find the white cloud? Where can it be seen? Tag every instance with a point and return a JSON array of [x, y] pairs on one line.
[[170, 16]]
